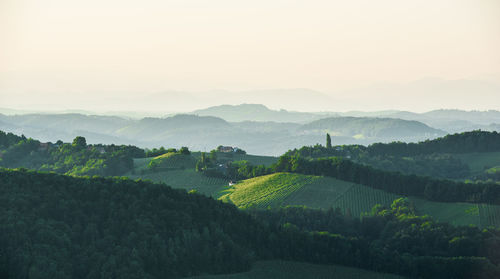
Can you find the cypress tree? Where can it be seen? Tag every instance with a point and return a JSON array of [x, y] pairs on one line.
[[328, 141]]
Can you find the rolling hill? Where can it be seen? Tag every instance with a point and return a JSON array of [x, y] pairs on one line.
[[290, 189], [365, 127], [256, 112]]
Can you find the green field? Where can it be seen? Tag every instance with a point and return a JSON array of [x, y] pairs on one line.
[[299, 270], [283, 189], [178, 177], [479, 162]]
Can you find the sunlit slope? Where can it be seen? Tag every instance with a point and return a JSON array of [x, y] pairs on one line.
[[173, 160], [296, 270], [177, 176], [287, 189], [177, 170]]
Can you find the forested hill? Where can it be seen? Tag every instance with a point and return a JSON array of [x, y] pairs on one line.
[[54, 226]]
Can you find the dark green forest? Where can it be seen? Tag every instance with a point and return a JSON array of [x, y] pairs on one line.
[[55, 226]]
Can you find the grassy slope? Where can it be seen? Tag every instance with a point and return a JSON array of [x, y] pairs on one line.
[[186, 178], [292, 270], [284, 189], [173, 160]]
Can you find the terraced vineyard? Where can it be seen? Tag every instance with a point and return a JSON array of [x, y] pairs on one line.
[[269, 190], [282, 189], [292, 270]]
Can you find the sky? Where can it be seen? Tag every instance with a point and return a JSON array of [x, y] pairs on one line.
[[362, 55]]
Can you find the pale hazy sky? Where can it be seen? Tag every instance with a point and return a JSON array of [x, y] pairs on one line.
[[61, 51]]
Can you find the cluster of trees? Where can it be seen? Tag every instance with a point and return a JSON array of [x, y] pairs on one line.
[[434, 165], [76, 158], [392, 240], [57, 226], [9, 139], [206, 163]]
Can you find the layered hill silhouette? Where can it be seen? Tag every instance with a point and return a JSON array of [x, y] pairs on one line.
[[206, 132]]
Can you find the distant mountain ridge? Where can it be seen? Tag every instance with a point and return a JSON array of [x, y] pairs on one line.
[[256, 112], [206, 132]]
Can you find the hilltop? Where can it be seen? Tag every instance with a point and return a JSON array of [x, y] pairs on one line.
[[256, 112]]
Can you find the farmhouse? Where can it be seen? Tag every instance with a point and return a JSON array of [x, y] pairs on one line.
[[225, 149], [43, 146], [101, 150]]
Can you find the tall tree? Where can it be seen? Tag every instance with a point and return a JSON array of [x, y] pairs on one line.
[[328, 141]]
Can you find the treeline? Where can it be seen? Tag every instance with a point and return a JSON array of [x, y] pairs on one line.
[[9, 139], [393, 182], [474, 141], [76, 158], [55, 226], [436, 165]]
